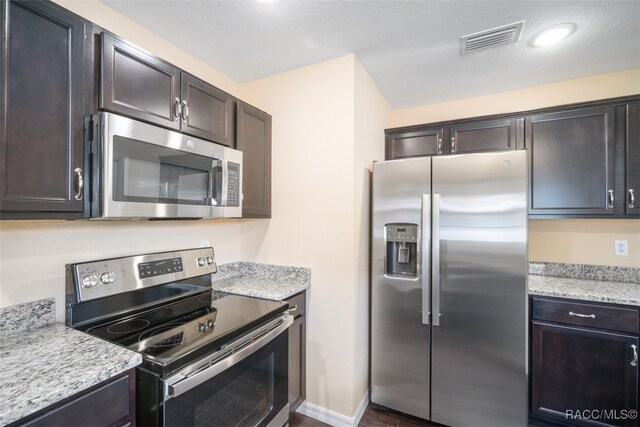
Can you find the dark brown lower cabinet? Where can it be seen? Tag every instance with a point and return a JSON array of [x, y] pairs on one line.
[[582, 375], [297, 352], [111, 403]]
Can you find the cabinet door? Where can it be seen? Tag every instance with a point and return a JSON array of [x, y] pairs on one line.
[[207, 111], [42, 108], [297, 367], [571, 162], [254, 140], [632, 194], [575, 369], [418, 143], [137, 84], [493, 135]]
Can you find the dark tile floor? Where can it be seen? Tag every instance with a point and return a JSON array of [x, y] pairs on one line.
[[373, 417]]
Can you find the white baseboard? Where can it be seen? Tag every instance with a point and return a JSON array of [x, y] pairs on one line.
[[333, 418]]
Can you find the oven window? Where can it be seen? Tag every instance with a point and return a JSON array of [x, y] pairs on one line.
[[249, 393], [150, 173]]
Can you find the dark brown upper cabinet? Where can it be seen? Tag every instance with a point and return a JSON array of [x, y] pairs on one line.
[[207, 112], [491, 135], [456, 137], [140, 85], [401, 144], [254, 140], [42, 107], [632, 193], [572, 161]]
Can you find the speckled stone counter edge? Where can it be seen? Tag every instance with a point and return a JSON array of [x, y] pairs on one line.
[[274, 282], [586, 272], [30, 315], [271, 271]]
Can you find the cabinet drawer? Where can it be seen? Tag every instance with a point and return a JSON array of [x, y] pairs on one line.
[[585, 314], [105, 406], [298, 301]]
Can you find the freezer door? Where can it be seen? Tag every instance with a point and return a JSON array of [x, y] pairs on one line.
[[399, 338], [479, 347]]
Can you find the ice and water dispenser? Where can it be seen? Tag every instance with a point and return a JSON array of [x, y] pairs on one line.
[[402, 250]]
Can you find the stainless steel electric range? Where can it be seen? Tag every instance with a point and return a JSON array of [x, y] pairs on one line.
[[208, 360]]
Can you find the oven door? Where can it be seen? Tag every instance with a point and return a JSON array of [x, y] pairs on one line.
[[242, 384], [150, 172]]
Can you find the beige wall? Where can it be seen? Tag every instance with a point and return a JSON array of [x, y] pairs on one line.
[[586, 241], [565, 92], [570, 241], [328, 122]]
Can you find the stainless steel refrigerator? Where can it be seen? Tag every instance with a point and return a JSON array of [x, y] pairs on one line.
[[449, 288]]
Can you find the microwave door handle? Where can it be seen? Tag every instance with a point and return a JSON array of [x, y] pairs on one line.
[[209, 200]]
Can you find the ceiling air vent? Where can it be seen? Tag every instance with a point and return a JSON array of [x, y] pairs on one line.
[[494, 37]]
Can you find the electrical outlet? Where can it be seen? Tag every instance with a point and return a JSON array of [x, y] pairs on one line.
[[621, 248]]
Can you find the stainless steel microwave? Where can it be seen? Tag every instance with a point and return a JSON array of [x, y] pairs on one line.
[[140, 170]]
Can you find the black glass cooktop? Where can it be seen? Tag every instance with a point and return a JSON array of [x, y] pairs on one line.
[[183, 331]]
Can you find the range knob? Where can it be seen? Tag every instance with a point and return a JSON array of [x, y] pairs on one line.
[[108, 277], [210, 323], [209, 260], [201, 327], [90, 280], [200, 262]]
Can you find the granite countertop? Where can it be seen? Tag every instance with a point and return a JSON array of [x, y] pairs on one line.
[[586, 290], [618, 285], [274, 282], [42, 366]]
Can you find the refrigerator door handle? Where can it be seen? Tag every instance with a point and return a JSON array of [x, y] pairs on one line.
[[435, 260], [426, 222]]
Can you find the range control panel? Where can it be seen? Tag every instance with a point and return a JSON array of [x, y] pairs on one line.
[[98, 279], [158, 268]]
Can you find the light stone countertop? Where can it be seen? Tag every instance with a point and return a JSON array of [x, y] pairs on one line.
[[50, 362], [274, 282], [586, 290]]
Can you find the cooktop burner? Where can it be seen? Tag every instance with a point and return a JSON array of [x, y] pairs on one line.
[[128, 326]]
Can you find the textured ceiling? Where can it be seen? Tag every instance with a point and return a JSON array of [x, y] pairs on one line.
[[411, 49]]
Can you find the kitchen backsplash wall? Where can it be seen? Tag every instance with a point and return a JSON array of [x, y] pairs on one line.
[[584, 241]]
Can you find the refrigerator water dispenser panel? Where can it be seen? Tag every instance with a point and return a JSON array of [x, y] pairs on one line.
[[402, 250]]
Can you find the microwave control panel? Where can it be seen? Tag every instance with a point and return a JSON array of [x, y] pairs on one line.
[[233, 195]]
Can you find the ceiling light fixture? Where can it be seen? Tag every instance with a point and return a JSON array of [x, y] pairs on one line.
[[552, 35]]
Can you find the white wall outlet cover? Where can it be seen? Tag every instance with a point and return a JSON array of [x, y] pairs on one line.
[[621, 247]]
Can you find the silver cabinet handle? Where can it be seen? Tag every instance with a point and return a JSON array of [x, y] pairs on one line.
[[80, 183], [632, 199], [453, 144], [634, 361], [439, 145], [185, 111], [611, 200], [591, 316], [424, 262], [177, 109], [293, 308], [435, 260]]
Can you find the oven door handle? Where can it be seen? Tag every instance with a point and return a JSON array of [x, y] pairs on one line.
[[179, 383]]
